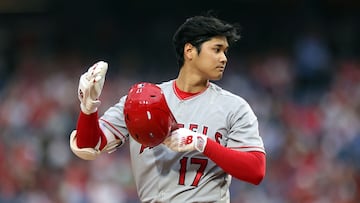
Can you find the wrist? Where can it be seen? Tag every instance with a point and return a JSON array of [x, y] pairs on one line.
[[86, 110]]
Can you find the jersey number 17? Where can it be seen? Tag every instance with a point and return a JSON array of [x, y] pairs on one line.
[[199, 173]]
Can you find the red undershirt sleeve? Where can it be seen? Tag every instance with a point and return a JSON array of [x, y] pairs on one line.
[[88, 131], [245, 166]]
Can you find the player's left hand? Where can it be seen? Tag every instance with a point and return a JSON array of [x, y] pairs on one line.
[[183, 139]]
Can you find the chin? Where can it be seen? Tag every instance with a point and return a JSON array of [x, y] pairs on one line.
[[216, 78]]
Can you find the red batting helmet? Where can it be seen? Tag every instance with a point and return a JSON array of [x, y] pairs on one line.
[[147, 115]]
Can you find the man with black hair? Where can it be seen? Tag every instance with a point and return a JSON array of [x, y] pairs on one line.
[[217, 136]]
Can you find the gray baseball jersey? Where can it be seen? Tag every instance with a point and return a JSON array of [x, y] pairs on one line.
[[162, 175]]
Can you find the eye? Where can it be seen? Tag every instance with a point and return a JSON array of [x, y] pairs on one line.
[[217, 50]]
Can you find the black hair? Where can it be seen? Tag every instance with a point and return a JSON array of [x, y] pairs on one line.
[[199, 29]]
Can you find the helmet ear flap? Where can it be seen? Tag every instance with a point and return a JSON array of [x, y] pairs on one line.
[[147, 115]]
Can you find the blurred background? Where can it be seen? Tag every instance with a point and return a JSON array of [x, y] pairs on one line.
[[297, 64]]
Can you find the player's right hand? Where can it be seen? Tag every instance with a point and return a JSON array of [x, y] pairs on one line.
[[90, 86], [183, 139]]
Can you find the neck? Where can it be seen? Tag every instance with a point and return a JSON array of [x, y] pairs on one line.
[[191, 83]]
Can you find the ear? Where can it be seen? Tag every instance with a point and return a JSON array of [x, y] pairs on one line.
[[189, 50]]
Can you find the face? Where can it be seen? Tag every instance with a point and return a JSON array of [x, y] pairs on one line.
[[210, 63]]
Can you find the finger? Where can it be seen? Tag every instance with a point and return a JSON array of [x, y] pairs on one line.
[[91, 70], [91, 84], [97, 78], [87, 76], [96, 70], [167, 141], [99, 68]]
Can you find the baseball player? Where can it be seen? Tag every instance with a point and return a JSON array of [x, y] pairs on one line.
[[217, 134]]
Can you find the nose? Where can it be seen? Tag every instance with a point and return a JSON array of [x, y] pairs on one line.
[[223, 58]]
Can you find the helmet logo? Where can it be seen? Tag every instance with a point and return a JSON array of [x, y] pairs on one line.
[[148, 115]]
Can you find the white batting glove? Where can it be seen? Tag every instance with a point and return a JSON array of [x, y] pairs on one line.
[[182, 140], [90, 86]]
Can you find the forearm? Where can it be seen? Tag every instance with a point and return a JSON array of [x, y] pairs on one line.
[[246, 166], [89, 133]]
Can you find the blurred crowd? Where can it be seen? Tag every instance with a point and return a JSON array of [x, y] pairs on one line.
[[306, 97]]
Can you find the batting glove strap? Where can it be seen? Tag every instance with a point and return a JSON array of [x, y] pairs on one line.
[[200, 142], [90, 106]]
